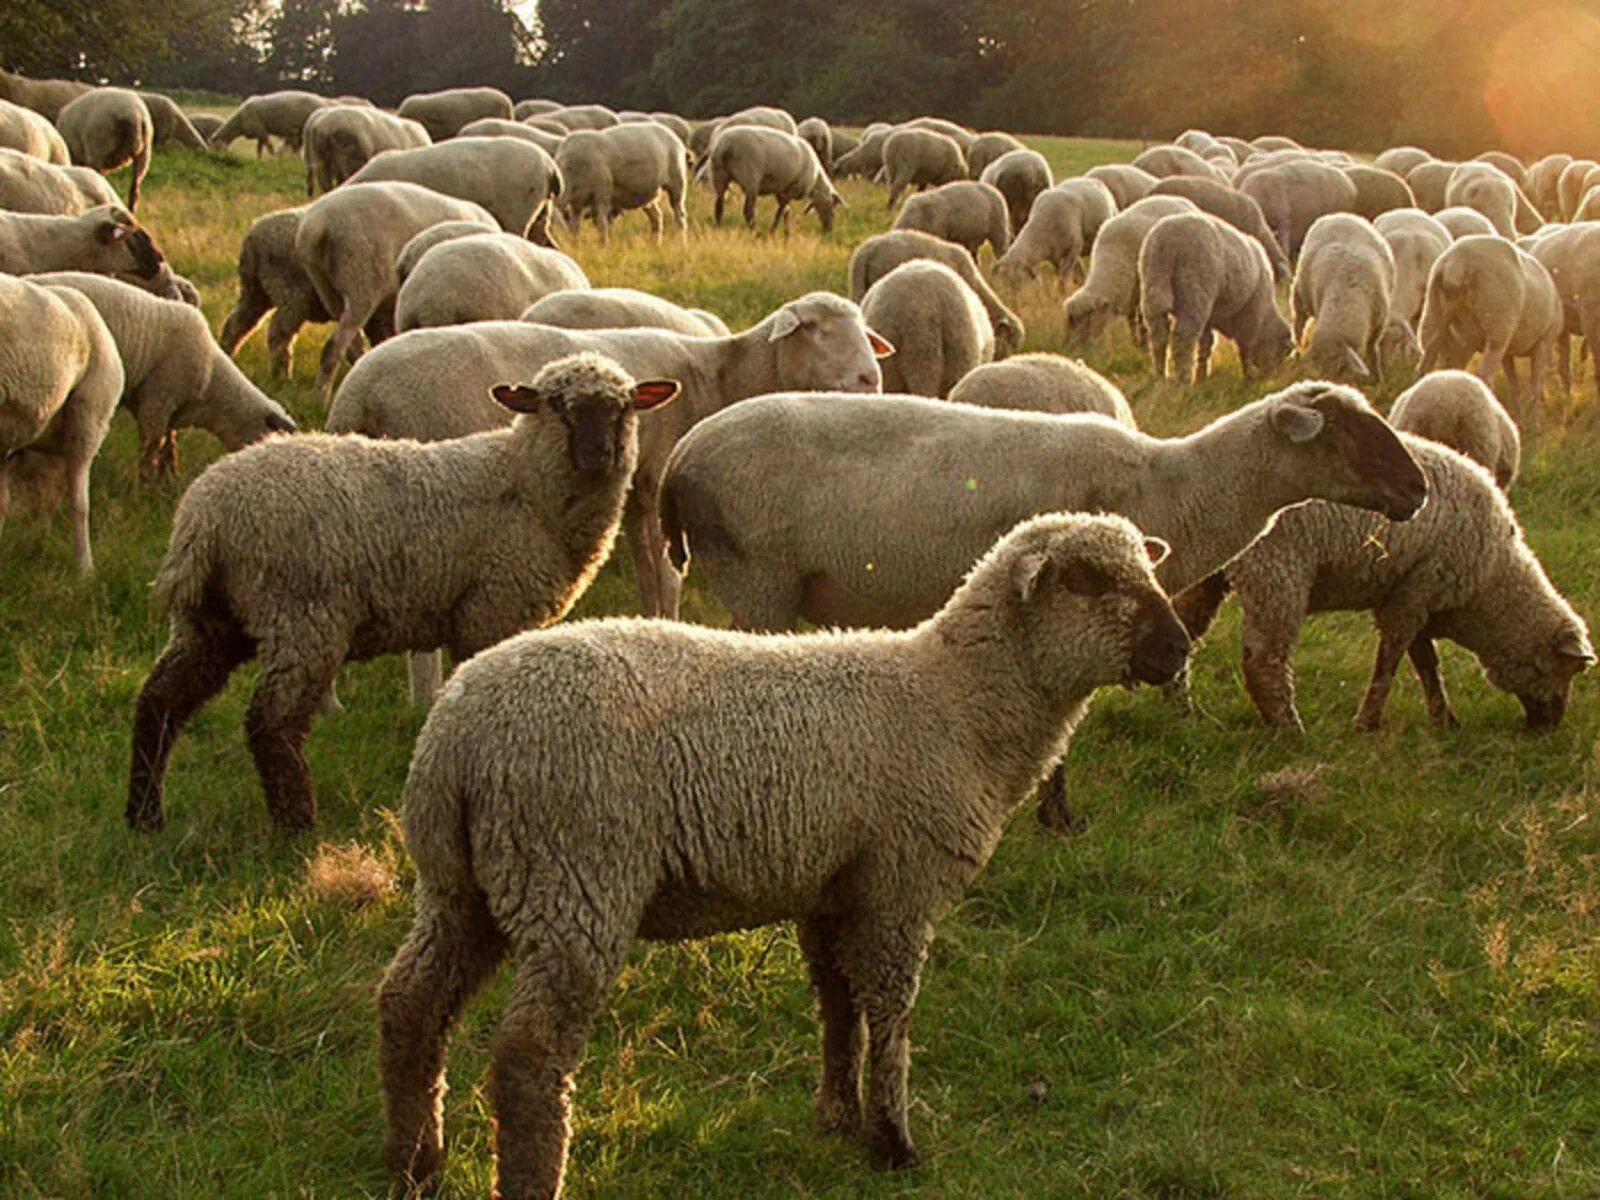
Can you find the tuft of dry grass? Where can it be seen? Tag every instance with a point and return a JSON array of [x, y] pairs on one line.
[[350, 875]]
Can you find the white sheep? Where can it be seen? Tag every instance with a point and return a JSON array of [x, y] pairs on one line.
[[1480, 186], [1294, 194], [687, 781], [920, 158], [1019, 175], [1428, 181], [966, 212], [44, 96], [1572, 256], [762, 116], [1111, 287], [106, 240], [577, 117], [107, 129], [986, 148], [1416, 241], [443, 113], [170, 124], [1400, 159], [611, 170], [1345, 283], [1043, 383], [337, 140], [622, 308], [1060, 229], [1126, 183], [528, 515], [769, 162], [500, 127], [31, 185], [1233, 206], [1378, 191], [481, 277], [935, 322], [1460, 221], [24, 130], [957, 133], [261, 118], [866, 157], [883, 252], [1459, 411], [1164, 161], [1573, 184], [513, 181]]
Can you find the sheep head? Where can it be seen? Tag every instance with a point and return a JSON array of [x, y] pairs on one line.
[[1330, 444], [596, 402]]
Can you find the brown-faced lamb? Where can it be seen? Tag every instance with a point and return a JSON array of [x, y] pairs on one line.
[[622, 308], [529, 512], [481, 277], [1198, 277], [1344, 285], [443, 113], [1043, 383], [966, 212], [59, 382], [1126, 183], [339, 139], [920, 158], [688, 781], [608, 171], [769, 162], [986, 148], [1111, 288], [1416, 240], [1234, 207], [1460, 570], [1458, 410], [30, 185], [936, 324], [1019, 176], [280, 115], [24, 130], [107, 129], [45, 96], [512, 180], [883, 252]]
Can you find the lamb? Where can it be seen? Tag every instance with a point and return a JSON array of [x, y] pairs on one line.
[[1020, 176], [582, 116], [170, 123], [987, 148], [712, 780], [1459, 410], [1060, 229], [499, 127], [920, 158], [1345, 282], [1126, 183], [58, 390], [1416, 240], [431, 384], [1400, 159], [47, 97], [1294, 194], [936, 323], [769, 162], [347, 242], [1163, 161], [340, 139], [966, 212], [1486, 294], [106, 240], [530, 514], [30, 185], [622, 308], [1234, 207], [611, 170], [107, 129], [1199, 276], [1462, 222], [443, 113], [1111, 288], [1460, 570], [1378, 191], [25, 130], [512, 180], [483, 277], [1043, 383], [883, 252], [280, 115]]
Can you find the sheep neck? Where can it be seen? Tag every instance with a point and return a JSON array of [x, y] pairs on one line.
[[749, 366]]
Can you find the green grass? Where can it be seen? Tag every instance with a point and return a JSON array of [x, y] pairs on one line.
[[1245, 978]]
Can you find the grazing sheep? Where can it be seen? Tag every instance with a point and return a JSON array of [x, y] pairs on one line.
[[59, 382], [611, 170], [1234, 207], [763, 116], [1400, 159], [959, 134], [1275, 142], [107, 129], [481, 277], [1126, 183], [1572, 184], [171, 124], [1059, 230], [574, 117], [936, 324], [920, 158], [700, 138], [24, 130], [1378, 191], [1572, 256], [883, 252], [1460, 569], [966, 212], [1294, 194], [339, 139], [1508, 164], [530, 514], [818, 134], [1199, 276], [1019, 176], [512, 180], [866, 158], [443, 113], [207, 125], [986, 148], [1429, 181], [1463, 222], [106, 240], [1111, 288], [1043, 383], [347, 242], [1486, 294], [1345, 282], [1416, 240], [1543, 181], [769, 162], [1459, 410], [1480, 186], [679, 127], [538, 107], [47, 97], [689, 781], [499, 127], [1164, 161], [30, 185], [622, 308], [280, 115]]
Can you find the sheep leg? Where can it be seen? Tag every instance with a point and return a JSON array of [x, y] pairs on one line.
[[719, 205], [1158, 333], [427, 671], [1202, 361], [281, 332], [1391, 649], [78, 508], [1266, 637], [1054, 811], [844, 1034], [451, 951], [750, 209], [1493, 355], [287, 696], [657, 224], [246, 315], [1185, 350], [1538, 369], [1425, 659], [780, 213], [1564, 362], [344, 336], [192, 669], [649, 545]]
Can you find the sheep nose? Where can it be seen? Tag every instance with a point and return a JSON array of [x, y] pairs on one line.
[[1163, 648], [868, 381]]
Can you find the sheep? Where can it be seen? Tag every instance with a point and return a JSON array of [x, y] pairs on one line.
[[1060, 228], [920, 158], [47, 97], [1378, 191], [763, 116], [679, 127], [1542, 181], [444, 231], [611, 170], [622, 308], [1162, 161], [1493, 164], [1416, 241], [1199, 276], [106, 240], [347, 242], [59, 384], [30, 185], [1458, 410], [1571, 254], [339, 139], [1462, 222], [1292, 195], [499, 127], [866, 158], [538, 107], [957, 133], [883, 252], [1428, 181], [1460, 570], [529, 515], [1400, 159], [1019, 176], [936, 323], [107, 129], [1588, 207], [583, 116], [1480, 186], [1043, 383], [986, 148], [482, 277], [758, 815], [763, 162], [443, 113], [816, 133], [1111, 288], [1126, 183], [170, 123], [1486, 294], [1571, 186], [514, 181], [1233, 206], [25, 130], [1345, 281], [207, 125], [966, 212], [280, 115]]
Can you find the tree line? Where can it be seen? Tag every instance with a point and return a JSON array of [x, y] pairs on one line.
[[1456, 76]]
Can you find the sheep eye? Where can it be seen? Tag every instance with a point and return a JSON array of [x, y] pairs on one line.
[[1085, 579]]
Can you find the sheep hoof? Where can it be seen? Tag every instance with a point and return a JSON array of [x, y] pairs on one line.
[[896, 1152], [835, 1116], [1368, 722], [145, 819]]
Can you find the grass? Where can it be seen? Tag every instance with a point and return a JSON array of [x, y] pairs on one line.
[[1319, 965]]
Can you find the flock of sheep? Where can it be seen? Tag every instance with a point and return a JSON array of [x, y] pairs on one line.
[[577, 788]]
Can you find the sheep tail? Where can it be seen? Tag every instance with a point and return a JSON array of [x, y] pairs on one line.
[[672, 528], [186, 569]]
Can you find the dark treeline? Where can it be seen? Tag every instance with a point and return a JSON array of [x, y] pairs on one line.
[[1454, 75]]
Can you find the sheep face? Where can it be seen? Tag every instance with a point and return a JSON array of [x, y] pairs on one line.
[[596, 403], [130, 248], [1087, 317], [826, 347], [1539, 672], [1330, 435]]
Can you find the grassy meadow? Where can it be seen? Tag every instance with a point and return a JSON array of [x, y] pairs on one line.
[[1273, 965]]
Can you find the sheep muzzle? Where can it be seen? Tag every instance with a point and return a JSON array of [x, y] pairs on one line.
[[1161, 644]]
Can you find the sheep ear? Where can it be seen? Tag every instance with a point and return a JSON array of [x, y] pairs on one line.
[[1356, 364], [882, 347], [783, 324], [1297, 422], [1156, 550], [1028, 573], [111, 232], [1573, 645], [653, 393], [517, 397]]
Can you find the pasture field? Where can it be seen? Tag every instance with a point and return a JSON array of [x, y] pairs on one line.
[[1272, 965]]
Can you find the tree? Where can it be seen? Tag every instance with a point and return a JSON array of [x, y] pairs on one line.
[[601, 50]]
